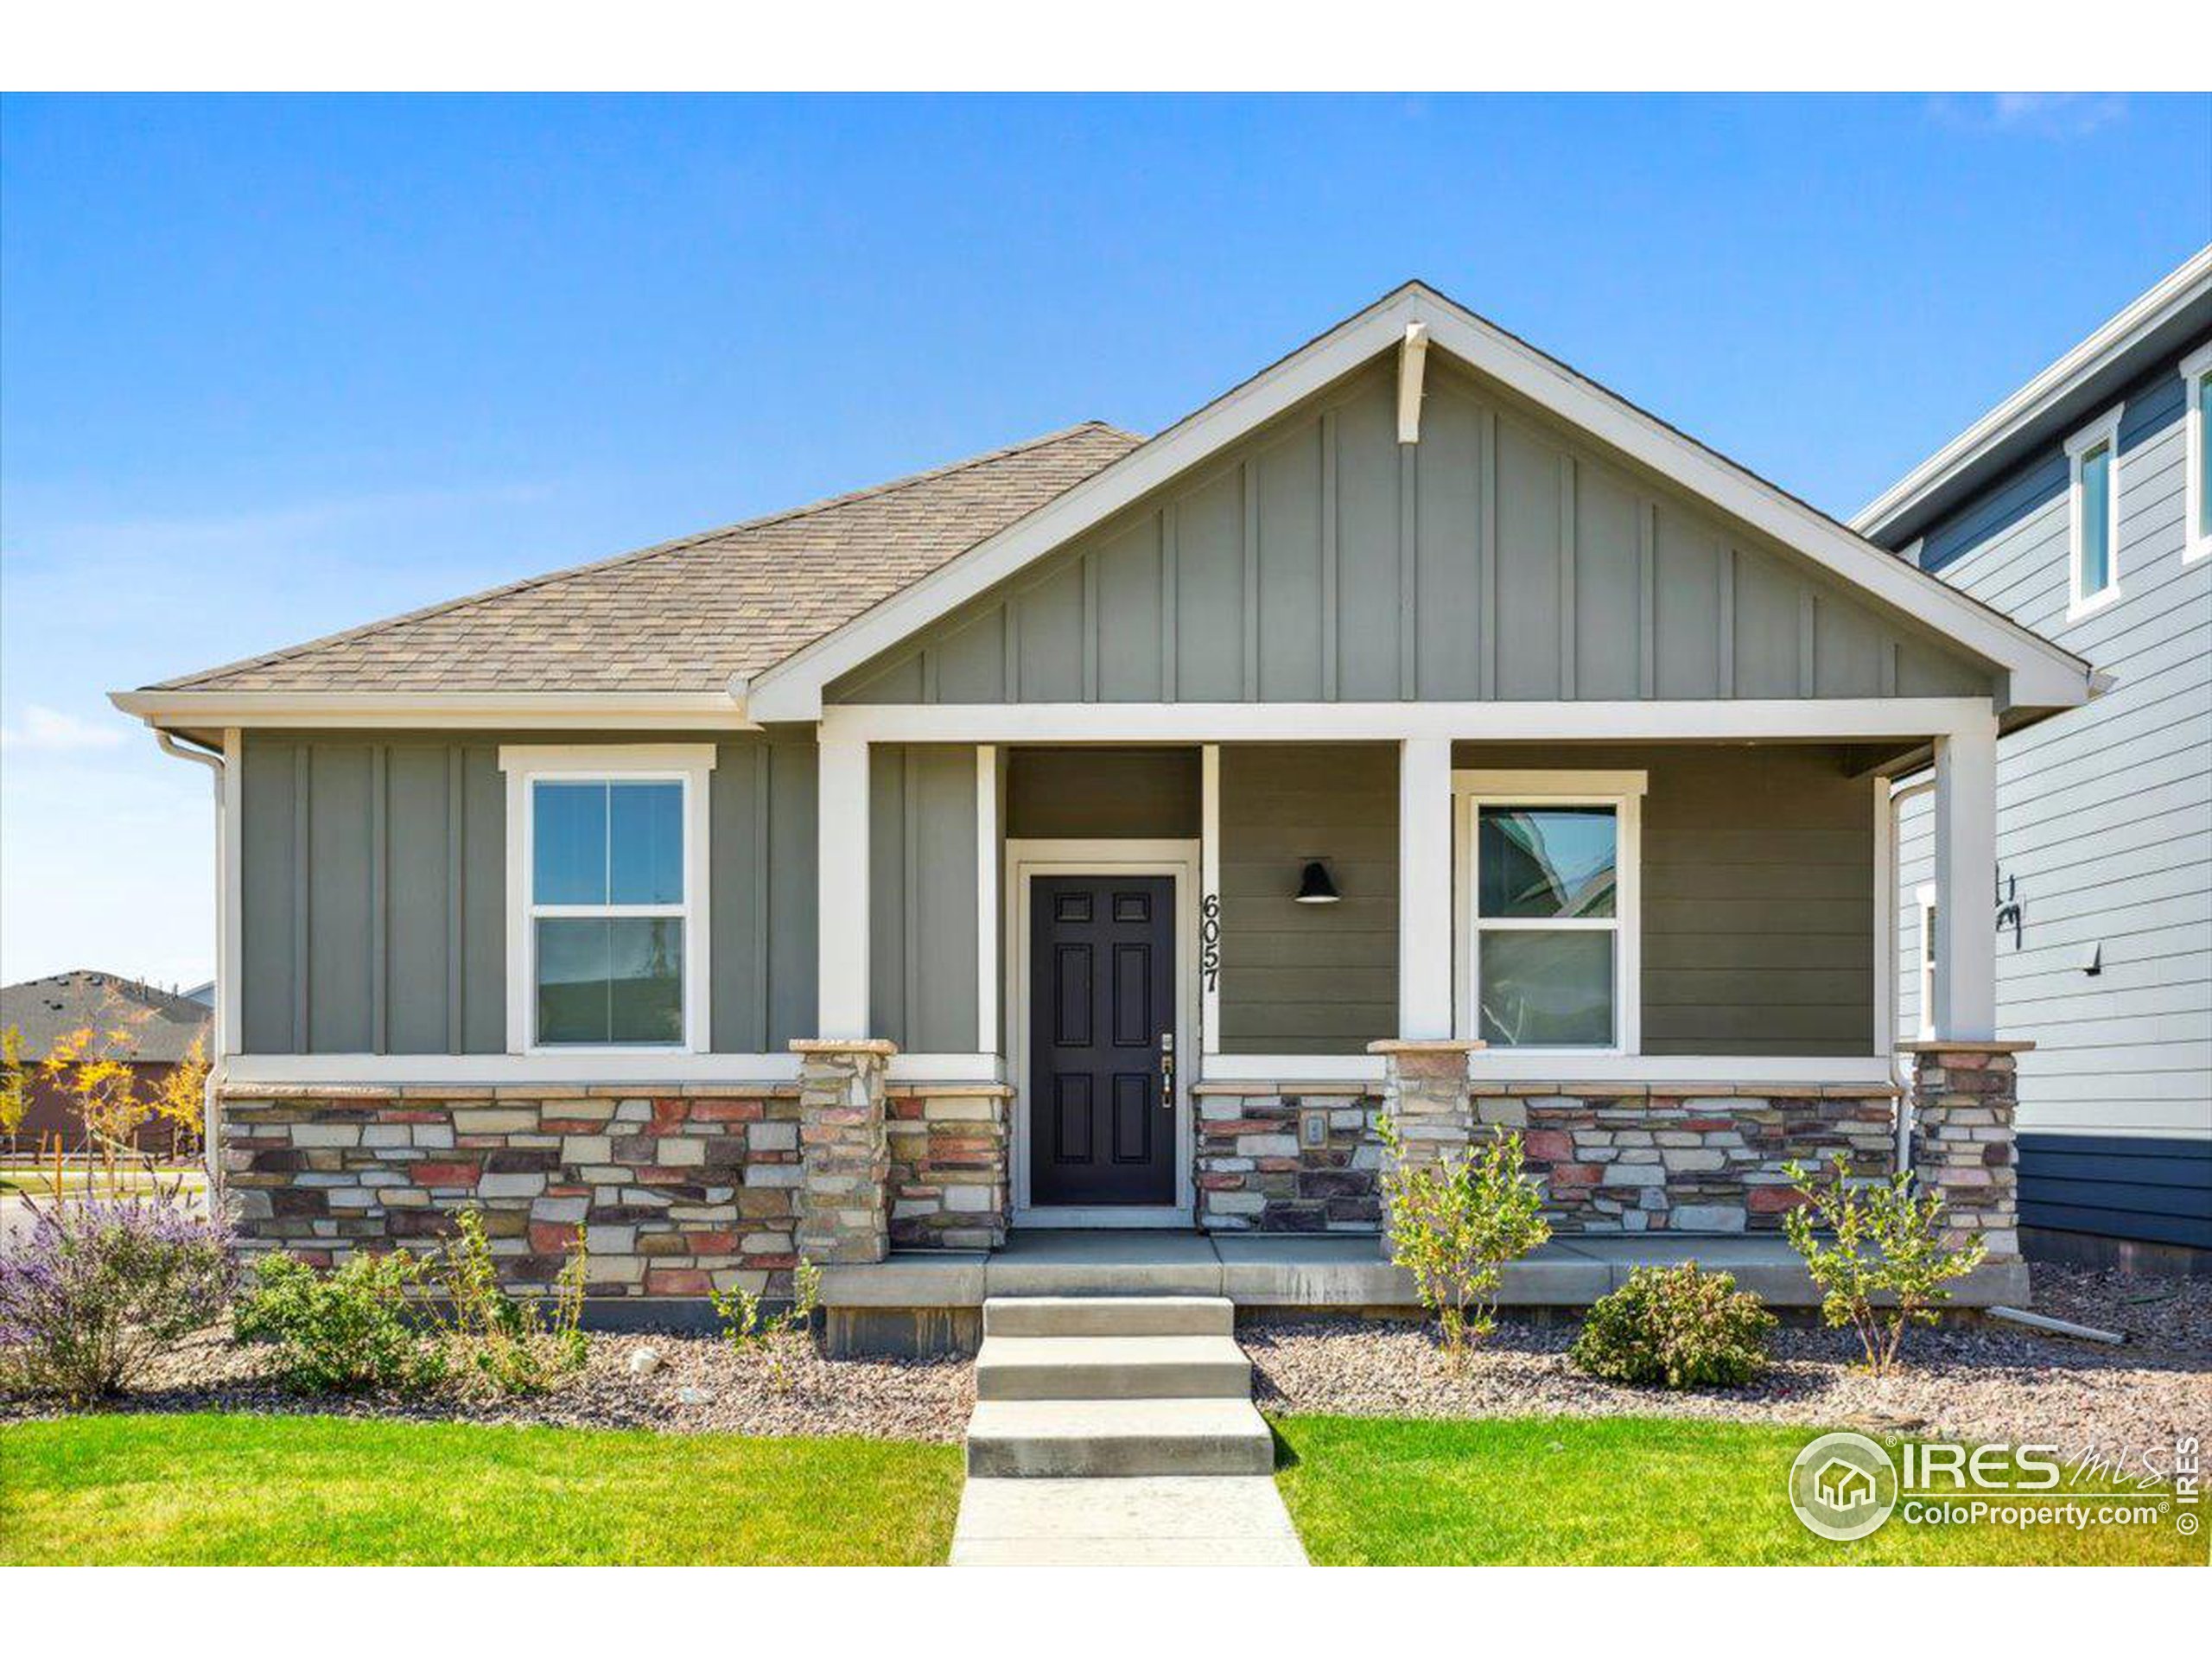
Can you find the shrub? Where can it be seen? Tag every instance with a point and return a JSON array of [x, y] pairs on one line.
[[1888, 1243], [752, 1329], [99, 1289], [346, 1331], [499, 1344], [1676, 1327], [1454, 1222]]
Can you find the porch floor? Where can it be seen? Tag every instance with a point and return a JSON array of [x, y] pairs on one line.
[[1308, 1270]]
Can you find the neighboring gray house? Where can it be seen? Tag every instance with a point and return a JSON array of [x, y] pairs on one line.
[[2080, 506], [1103, 832]]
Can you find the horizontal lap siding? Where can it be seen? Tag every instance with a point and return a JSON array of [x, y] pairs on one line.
[[1759, 894], [2105, 838], [374, 911], [1308, 979], [1503, 558]]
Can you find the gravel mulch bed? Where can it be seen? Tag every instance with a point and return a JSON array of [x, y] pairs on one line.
[[1979, 1380], [701, 1386]]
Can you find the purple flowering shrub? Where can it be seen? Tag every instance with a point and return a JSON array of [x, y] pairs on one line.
[[98, 1288]]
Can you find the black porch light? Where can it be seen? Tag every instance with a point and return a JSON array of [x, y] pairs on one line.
[[1314, 886]]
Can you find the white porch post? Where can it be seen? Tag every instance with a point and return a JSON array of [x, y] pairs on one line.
[[1424, 888], [1965, 883], [842, 851]]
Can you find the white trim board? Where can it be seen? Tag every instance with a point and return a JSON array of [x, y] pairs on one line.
[[2041, 673], [1178, 860], [647, 1069], [1510, 1066], [659, 710], [1747, 719], [2196, 535]]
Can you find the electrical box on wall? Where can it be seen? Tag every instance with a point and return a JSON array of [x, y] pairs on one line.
[[1314, 1126]]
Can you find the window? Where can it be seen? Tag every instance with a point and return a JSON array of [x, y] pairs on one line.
[[2196, 416], [2093, 457], [607, 885], [1926, 897], [1548, 864]]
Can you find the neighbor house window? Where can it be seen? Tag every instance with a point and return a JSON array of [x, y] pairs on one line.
[[2093, 457], [2197, 383], [607, 945], [1548, 863]]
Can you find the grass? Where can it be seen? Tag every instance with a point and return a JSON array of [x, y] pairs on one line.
[[26, 1181], [218, 1489], [1623, 1491]]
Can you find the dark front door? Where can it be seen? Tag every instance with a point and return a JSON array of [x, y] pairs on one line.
[[1102, 999]]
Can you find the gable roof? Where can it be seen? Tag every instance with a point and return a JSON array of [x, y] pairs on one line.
[[2039, 673], [2161, 319], [686, 615], [163, 1024]]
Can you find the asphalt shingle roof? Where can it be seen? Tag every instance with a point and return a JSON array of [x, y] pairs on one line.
[[687, 614], [161, 1024]]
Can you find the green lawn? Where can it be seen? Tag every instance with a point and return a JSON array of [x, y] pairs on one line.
[[219, 1490], [1618, 1491]]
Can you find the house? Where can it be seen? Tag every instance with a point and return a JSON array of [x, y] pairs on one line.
[[2080, 507], [1103, 832], [109, 1016]]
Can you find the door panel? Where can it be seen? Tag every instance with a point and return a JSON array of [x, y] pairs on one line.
[[1102, 950]]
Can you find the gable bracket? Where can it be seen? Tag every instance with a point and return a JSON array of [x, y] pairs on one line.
[[1412, 361]]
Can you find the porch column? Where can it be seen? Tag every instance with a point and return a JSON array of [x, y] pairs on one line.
[[1425, 896], [844, 1198], [1966, 884], [842, 897]]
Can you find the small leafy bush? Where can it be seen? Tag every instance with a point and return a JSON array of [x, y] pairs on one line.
[[346, 1331], [1675, 1327], [1454, 1222], [99, 1289], [1886, 1266], [499, 1345], [769, 1337]]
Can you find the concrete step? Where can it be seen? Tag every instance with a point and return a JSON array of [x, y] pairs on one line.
[[1109, 1316], [1112, 1368], [1094, 1438]]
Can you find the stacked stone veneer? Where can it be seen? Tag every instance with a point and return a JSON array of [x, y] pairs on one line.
[[1964, 1097], [678, 1192], [1627, 1159], [948, 1180], [1255, 1173]]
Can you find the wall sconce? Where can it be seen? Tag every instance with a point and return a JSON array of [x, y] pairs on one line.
[[1314, 886]]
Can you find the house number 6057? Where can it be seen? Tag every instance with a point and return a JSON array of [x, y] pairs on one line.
[[1210, 941]]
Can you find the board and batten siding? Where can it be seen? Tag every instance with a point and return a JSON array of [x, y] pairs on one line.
[[1500, 558], [2104, 839], [373, 917]]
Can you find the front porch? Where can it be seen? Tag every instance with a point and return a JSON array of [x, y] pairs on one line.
[[926, 1302]]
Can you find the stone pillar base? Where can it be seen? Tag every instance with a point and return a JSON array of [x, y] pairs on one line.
[[844, 1204], [1964, 1095], [1424, 1096]]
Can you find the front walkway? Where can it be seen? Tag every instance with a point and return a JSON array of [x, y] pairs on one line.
[[1149, 1520]]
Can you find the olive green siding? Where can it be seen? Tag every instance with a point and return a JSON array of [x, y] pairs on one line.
[[922, 897], [1102, 793], [1502, 557], [1758, 893], [373, 914], [1308, 979]]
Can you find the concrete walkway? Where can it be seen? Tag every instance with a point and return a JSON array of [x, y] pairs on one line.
[[1147, 1521]]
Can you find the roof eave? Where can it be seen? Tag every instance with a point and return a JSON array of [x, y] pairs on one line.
[[598, 710]]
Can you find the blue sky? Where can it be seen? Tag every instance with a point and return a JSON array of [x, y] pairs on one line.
[[269, 368]]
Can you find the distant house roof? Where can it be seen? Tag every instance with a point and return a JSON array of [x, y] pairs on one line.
[[163, 1024], [686, 615]]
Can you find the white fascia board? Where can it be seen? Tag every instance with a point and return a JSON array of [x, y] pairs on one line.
[[603, 710], [1747, 719], [2143, 315], [2040, 673]]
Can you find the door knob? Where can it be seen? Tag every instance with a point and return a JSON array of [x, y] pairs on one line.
[[1166, 1070]]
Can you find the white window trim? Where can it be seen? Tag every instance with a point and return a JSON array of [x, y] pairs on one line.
[[2196, 542], [1924, 957], [687, 764], [1622, 791], [2101, 433]]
